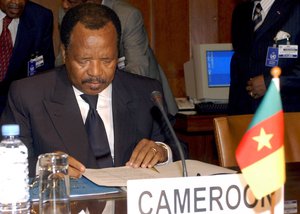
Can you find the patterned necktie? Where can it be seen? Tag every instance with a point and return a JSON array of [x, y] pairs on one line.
[[96, 133], [257, 16], [6, 47]]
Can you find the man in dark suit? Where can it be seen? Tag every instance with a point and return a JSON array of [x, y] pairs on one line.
[[134, 45], [259, 48], [30, 31], [51, 111]]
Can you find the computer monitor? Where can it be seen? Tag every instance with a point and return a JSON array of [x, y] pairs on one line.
[[207, 74]]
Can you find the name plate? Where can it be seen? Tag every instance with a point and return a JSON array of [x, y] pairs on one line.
[[204, 194]]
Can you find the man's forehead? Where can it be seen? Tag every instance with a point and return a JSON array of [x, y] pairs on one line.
[[76, 1], [80, 29], [83, 1]]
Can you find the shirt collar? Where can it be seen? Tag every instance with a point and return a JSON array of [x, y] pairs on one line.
[[265, 4], [106, 93], [2, 15]]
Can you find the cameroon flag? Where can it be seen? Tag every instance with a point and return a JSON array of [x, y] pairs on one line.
[[260, 154]]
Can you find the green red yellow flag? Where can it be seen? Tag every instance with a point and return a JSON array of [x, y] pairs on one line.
[[260, 154]]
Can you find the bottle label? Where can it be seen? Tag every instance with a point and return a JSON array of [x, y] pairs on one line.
[[14, 179]]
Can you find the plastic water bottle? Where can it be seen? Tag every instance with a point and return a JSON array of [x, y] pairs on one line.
[[14, 188]]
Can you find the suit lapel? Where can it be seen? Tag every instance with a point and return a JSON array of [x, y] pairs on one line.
[[66, 117], [124, 125], [275, 18]]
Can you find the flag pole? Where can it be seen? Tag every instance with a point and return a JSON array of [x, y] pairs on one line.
[[275, 72]]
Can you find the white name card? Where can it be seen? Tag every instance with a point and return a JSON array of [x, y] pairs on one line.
[[204, 194]]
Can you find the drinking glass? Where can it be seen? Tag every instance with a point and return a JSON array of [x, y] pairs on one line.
[[54, 183]]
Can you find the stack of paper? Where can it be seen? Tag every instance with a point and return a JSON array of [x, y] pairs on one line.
[[118, 176]]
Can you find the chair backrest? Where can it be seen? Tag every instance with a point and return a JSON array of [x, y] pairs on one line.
[[230, 130]]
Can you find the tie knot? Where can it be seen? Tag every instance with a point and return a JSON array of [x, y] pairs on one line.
[[258, 8], [6, 21], [257, 16], [90, 99]]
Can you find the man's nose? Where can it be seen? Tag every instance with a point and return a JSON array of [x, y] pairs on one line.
[[95, 68]]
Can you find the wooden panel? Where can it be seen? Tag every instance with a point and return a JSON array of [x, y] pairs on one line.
[[201, 146], [195, 123], [198, 132], [204, 21], [172, 40]]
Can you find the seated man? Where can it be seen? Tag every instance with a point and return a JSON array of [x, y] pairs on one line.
[[25, 33], [134, 45], [53, 111]]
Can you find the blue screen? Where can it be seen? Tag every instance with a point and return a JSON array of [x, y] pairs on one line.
[[218, 68]]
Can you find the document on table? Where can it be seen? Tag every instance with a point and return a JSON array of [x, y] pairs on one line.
[[118, 176], [79, 188]]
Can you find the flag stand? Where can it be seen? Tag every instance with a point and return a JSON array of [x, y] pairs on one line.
[[273, 201]]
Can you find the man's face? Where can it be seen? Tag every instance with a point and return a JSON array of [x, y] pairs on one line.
[[91, 57], [13, 8]]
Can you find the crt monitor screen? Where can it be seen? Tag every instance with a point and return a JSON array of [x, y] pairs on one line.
[[218, 67], [211, 69]]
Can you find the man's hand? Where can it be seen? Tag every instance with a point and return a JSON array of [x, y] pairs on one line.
[[76, 169], [147, 154], [256, 87]]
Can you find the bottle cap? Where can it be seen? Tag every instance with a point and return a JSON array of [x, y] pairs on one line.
[[10, 129]]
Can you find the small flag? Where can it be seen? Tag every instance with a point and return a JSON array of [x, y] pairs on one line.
[[260, 154]]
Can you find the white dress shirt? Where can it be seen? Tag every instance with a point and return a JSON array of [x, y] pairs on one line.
[[104, 109], [13, 26]]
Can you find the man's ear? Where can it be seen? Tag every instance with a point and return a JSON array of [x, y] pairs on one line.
[[63, 53]]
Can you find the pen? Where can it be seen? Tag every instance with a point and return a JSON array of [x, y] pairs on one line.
[[154, 169]]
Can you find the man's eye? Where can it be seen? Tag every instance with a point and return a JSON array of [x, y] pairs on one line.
[[107, 61], [83, 61]]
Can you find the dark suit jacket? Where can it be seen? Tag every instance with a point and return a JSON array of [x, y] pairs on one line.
[[34, 35], [46, 109], [251, 51]]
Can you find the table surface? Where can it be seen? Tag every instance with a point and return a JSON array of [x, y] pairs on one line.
[[117, 203]]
